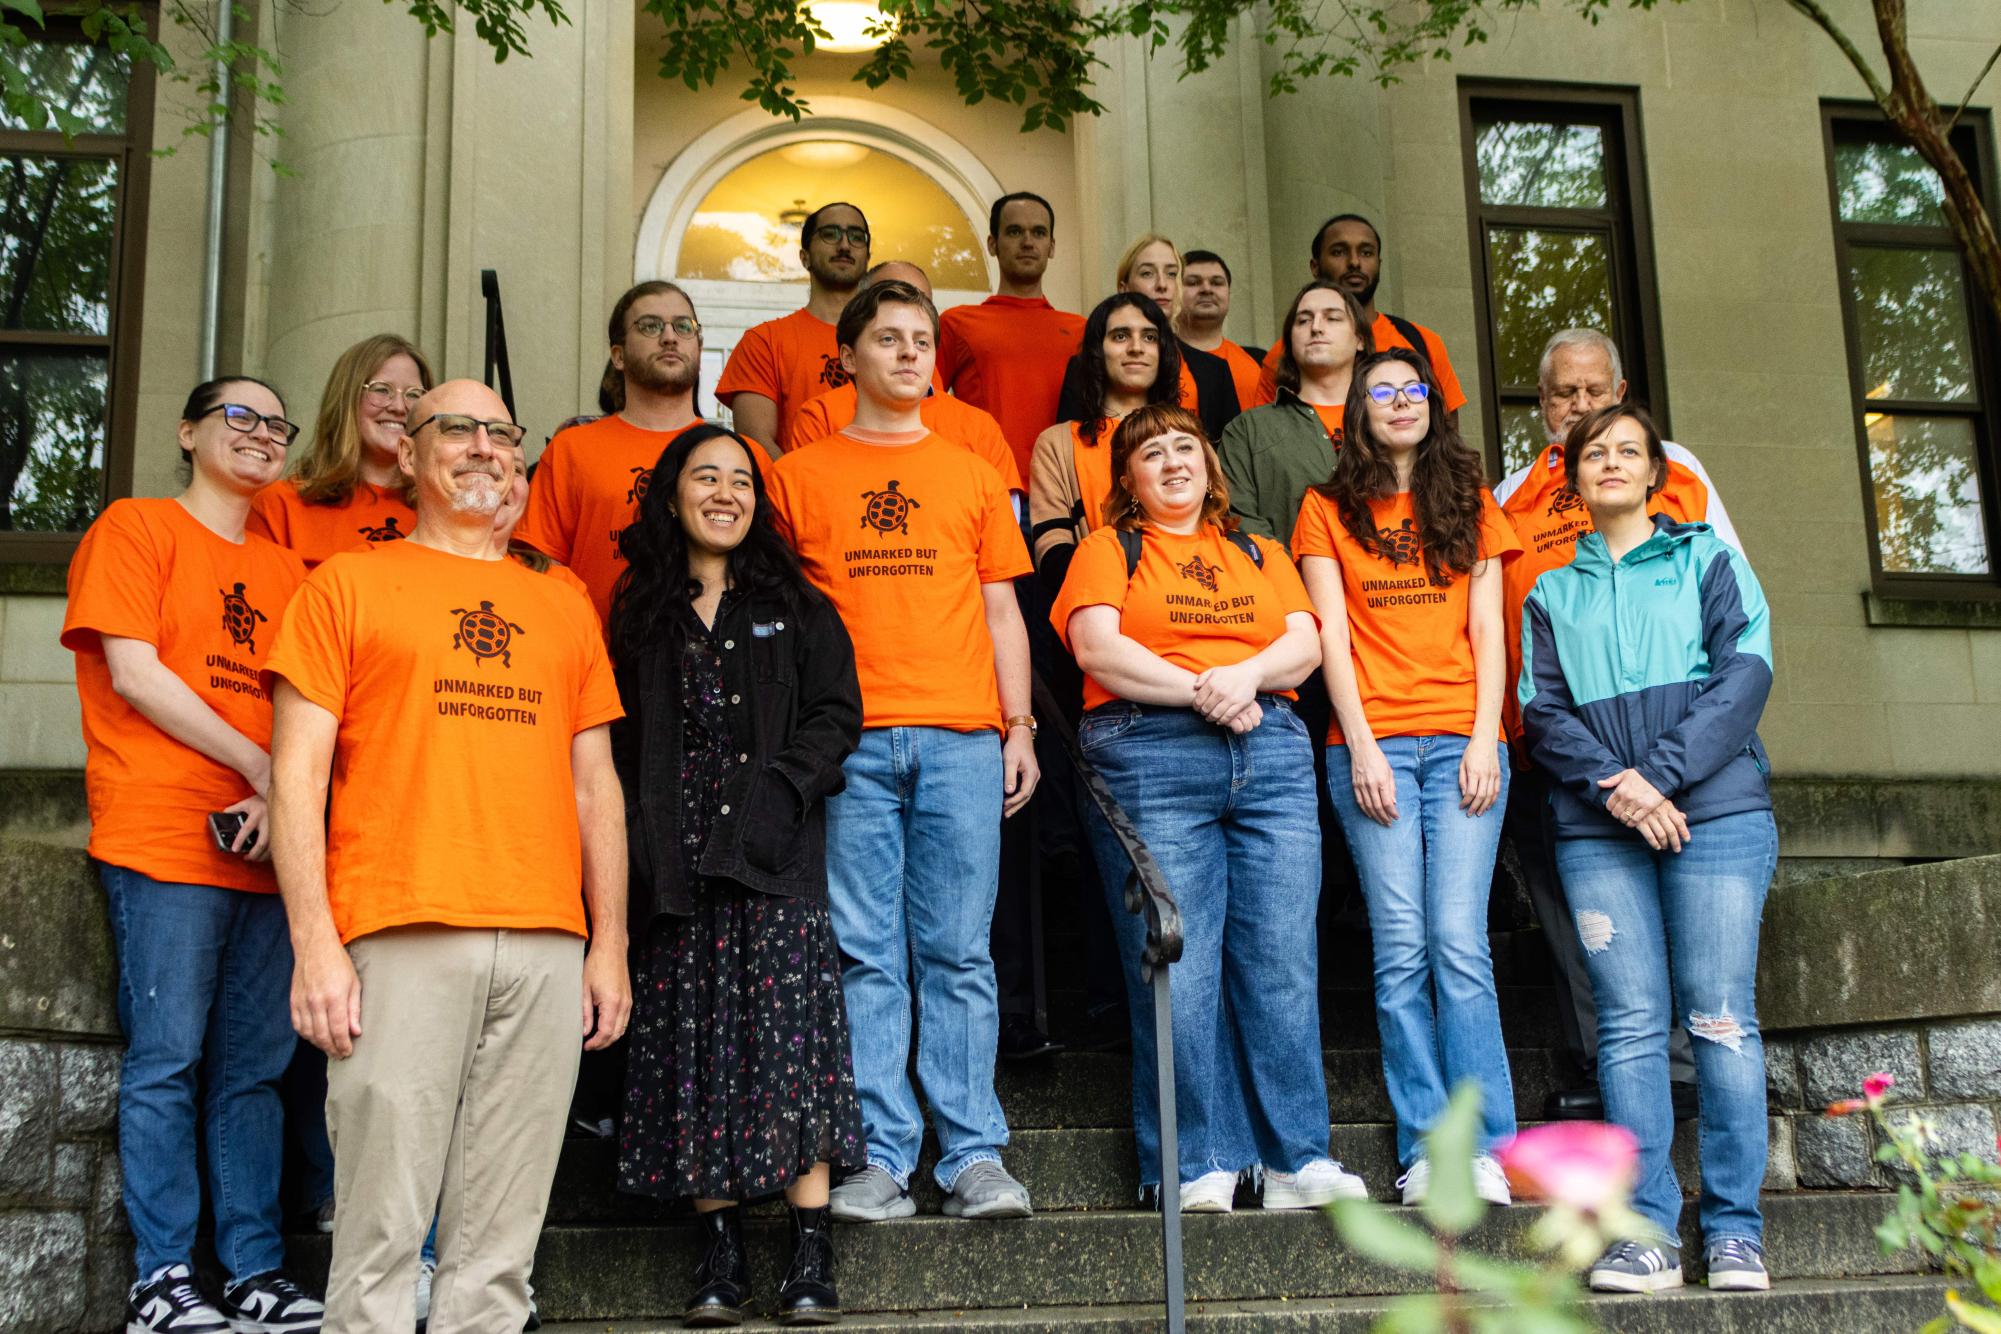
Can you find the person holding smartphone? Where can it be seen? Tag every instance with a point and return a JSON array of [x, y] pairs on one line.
[[172, 609]]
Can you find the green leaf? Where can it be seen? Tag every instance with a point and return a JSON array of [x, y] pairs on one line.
[[1450, 1204], [1979, 1319], [1382, 1236], [1939, 1325], [28, 7]]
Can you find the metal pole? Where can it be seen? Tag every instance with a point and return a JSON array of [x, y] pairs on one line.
[[1170, 1149], [218, 179]]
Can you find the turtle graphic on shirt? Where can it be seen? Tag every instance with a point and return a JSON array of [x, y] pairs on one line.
[[641, 479], [1201, 572], [1400, 543], [1564, 500], [386, 531], [239, 618], [888, 510], [485, 633], [832, 373]]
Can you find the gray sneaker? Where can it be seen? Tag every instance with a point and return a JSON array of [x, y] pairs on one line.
[[985, 1190], [1631, 1266], [870, 1196], [1737, 1265]]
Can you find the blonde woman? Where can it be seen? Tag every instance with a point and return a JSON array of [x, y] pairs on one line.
[[344, 488]]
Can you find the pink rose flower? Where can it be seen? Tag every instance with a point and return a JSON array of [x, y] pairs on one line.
[[1876, 1085], [1587, 1165]]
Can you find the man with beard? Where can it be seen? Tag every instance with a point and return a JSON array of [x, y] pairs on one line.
[[784, 362], [1205, 305], [442, 879], [589, 481], [1348, 251]]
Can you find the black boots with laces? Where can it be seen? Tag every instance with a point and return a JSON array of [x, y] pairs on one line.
[[808, 1297], [722, 1284]]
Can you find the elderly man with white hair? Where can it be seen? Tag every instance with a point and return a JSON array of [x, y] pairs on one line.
[[1581, 371]]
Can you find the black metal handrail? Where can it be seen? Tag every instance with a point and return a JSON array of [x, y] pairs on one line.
[[496, 341], [1147, 894]]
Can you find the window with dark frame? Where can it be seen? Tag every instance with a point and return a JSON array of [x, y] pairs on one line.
[[1924, 360], [1556, 198], [71, 214]]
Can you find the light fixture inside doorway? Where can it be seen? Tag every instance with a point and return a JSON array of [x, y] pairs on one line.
[[847, 23], [823, 154]]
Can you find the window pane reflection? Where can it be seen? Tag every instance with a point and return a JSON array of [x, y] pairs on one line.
[[1910, 318], [57, 217], [85, 79], [1887, 182], [1927, 487], [1541, 165], [1544, 281], [1521, 435], [52, 427]]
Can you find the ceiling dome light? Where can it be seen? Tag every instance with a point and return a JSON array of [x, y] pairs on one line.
[[823, 154], [847, 23]]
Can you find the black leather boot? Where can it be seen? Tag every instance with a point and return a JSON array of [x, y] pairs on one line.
[[808, 1296], [722, 1284]]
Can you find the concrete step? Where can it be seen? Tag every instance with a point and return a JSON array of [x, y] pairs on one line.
[[932, 1263], [1812, 1306]]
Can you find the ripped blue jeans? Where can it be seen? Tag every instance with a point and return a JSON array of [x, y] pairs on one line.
[[1637, 912]]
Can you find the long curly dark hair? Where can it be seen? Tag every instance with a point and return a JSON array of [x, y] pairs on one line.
[[1091, 359], [1445, 479], [652, 605]]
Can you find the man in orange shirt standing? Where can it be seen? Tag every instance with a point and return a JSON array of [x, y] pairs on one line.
[[441, 894], [782, 363], [1205, 304], [916, 543], [1580, 372]]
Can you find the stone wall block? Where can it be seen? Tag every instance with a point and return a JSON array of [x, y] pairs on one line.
[[1781, 1157], [1835, 1064], [27, 1117], [1951, 1131], [88, 1073], [107, 1279], [1783, 1089], [40, 1253], [71, 1183], [1833, 1152], [1966, 1060], [107, 1210]]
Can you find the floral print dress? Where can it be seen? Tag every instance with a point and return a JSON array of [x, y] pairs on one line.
[[739, 1078]]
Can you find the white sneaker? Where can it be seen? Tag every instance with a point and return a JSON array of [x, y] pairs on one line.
[[426, 1271], [1211, 1193], [1320, 1182], [1415, 1183], [1490, 1183]]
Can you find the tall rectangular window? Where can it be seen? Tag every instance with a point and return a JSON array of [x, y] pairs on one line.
[[1922, 356], [1557, 203], [68, 268]]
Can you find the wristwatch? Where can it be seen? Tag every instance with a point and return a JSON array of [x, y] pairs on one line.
[[1022, 720]]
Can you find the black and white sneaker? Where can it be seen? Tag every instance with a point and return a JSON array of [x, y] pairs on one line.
[[1737, 1265], [1631, 1266], [169, 1303], [270, 1304]]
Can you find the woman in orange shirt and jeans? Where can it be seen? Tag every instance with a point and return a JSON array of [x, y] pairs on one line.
[[1402, 552]]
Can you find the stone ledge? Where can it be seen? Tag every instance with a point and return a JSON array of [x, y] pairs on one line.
[[57, 963], [35, 578], [1931, 613], [1844, 817]]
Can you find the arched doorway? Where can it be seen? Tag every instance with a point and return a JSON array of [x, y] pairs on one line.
[[724, 219]]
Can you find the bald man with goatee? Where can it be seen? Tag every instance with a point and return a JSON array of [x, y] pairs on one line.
[[455, 885]]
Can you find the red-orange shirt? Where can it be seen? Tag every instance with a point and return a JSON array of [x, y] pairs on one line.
[[900, 538], [961, 423], [458, 685], [1331, 416], [149, 570], [1195, 600], [370, 514], [1413, 652], [1385, 335], [1006, 356], [789, 361], [1245, 372]]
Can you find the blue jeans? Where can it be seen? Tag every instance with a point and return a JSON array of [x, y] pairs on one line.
[[913, 863], [1643, 917], [1233, 823], [204, 997], [1426, 880]]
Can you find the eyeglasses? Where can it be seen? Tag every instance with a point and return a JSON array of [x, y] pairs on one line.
[[1387, 393], [239, 418], [832, 234], [378, 392], [652, 326], [456, 426]]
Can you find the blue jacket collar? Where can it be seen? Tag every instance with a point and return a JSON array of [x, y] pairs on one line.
[[1593, 557]]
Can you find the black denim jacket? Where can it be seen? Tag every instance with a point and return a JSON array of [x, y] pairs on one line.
[[795, 712]]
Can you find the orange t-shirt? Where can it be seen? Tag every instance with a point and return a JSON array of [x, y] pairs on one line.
[[1245, 372], [1195, 600], [960, 423], [1331, 416], [458, 685], [1006, 357], [370, 514], [1094, 469], [1385, 335], [789, 361], [1408, 637], [900, 538], [149, 570], [1549, 518]]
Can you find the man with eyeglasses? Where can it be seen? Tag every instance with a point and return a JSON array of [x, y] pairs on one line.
[[1580, 372], [442, 880], [784, 362]]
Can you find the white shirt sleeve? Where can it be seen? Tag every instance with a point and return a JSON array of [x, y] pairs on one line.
[[1513, 480], [1717, 518]]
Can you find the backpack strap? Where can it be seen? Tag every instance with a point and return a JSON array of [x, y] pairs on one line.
[[1241, 540], [1411, 334], [1129, 542]]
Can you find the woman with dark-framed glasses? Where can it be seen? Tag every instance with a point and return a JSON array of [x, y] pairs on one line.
[[343, 488]]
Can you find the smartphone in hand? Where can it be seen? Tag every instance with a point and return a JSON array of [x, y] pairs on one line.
[[225, 826]]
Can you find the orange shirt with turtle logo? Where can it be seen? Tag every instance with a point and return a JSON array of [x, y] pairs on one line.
[[944, 416], [148, 570], [370, 514], [789, 361], [457, 685]]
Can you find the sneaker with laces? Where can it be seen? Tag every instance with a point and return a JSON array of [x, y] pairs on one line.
[[270, 1304], [1634, 1266], [985, 1190], [427, 1272], [323, 1217], [1211, 1193], [1490, 1183], [1736, 1265], [1320, 1182], [1416, 1182], [870, 1196], [169, 1303]]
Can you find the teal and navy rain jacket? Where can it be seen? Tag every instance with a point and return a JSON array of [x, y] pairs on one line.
[[1660, 663]]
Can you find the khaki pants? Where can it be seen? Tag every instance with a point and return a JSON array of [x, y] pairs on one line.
[[455, 1099]]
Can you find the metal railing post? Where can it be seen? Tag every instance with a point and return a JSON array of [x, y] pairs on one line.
[[1170, 1149]]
